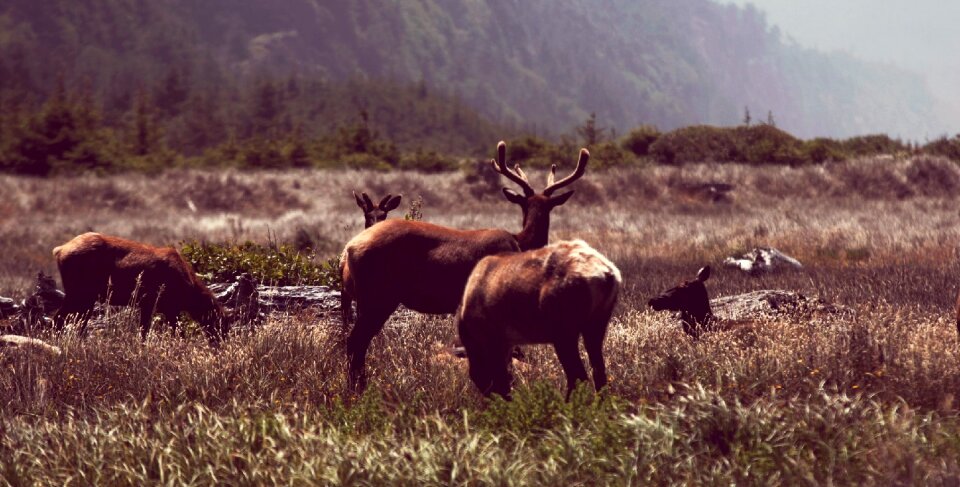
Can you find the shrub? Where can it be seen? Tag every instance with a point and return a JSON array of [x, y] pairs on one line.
[[766, 144], [639, 140], [609, 154], [869, 145], [699, 143], [362, 160], [279, 265], [427, 161], [944, 147], [822, 150]]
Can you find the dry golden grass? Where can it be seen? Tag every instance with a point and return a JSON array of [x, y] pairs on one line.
[[875, 235]]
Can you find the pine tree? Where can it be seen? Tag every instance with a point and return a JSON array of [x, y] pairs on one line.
[[589, 131]]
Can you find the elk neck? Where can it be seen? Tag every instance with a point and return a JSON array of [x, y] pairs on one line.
[[536, 229]]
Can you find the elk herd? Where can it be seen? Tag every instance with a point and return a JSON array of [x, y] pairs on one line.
[[504, 289]]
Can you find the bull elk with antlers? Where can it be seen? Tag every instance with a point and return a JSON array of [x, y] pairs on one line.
[[95, 267], [425, 266], [551, 295]]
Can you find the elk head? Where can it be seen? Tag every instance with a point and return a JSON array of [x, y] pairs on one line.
[[691, 300], [374, 214], [536, 206]]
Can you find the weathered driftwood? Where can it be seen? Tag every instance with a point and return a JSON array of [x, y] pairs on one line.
[[773, 303], [31, 313], [762, 260], [17, 342], [249, 300], [244, 297]]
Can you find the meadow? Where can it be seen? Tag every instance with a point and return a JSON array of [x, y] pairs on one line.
[[862, 399]]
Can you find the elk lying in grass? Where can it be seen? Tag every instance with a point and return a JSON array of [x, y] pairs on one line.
[[372, 214], [691, 300], [551, 295], [425, 266], [95, 267]]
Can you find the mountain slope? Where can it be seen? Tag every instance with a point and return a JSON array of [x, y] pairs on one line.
[[540, 64]]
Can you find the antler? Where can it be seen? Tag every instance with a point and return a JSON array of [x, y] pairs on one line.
[[516, 175], [577, 174]]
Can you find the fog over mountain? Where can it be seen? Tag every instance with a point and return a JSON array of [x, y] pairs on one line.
[[540, 66], [919, 35]]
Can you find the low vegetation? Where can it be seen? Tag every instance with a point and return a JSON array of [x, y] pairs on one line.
[[67, 134]]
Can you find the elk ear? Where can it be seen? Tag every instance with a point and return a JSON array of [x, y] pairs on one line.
[[367, 200], [560, 198], [389, 203], [703, 274], [514, 197], [360, 202]]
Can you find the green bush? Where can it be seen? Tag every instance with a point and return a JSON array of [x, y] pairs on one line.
[[639, 140], [524, 149], [362, 160], [278, 265], [822, 150], [610, 154], [426, 161], [699, 143], [871, 145], [766, 144], [944, 147]]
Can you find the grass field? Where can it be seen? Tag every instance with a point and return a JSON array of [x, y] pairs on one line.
[[869, 399]]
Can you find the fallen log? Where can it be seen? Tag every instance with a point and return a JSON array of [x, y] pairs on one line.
[[773, 303]]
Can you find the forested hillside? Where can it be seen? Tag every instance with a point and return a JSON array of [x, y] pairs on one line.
[[439, 75]]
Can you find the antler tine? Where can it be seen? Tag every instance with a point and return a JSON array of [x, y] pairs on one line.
[[551, 175], [577, 174], [516, 169], [500, 165]]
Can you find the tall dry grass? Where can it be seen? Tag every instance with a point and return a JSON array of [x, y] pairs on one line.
[[868, 399]]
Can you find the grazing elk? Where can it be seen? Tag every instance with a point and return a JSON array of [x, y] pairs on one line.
[[371, 215], [95, 267], [553, 295], [425, 266]]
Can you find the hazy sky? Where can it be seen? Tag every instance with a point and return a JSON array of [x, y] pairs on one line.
[[920, 35]]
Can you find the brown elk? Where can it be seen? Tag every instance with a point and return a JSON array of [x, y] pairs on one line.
[[425, 266], [95, 267], [553, 295], [691, 300], [372, 214]]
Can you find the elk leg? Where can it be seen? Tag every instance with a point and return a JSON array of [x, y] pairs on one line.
[[500, 358], [370, 320], [346, 309], [146, 317], [593, 342], [569, 354], [173, 324], [81, 306]]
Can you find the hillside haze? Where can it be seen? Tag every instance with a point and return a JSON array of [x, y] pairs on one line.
[[539, 65]]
